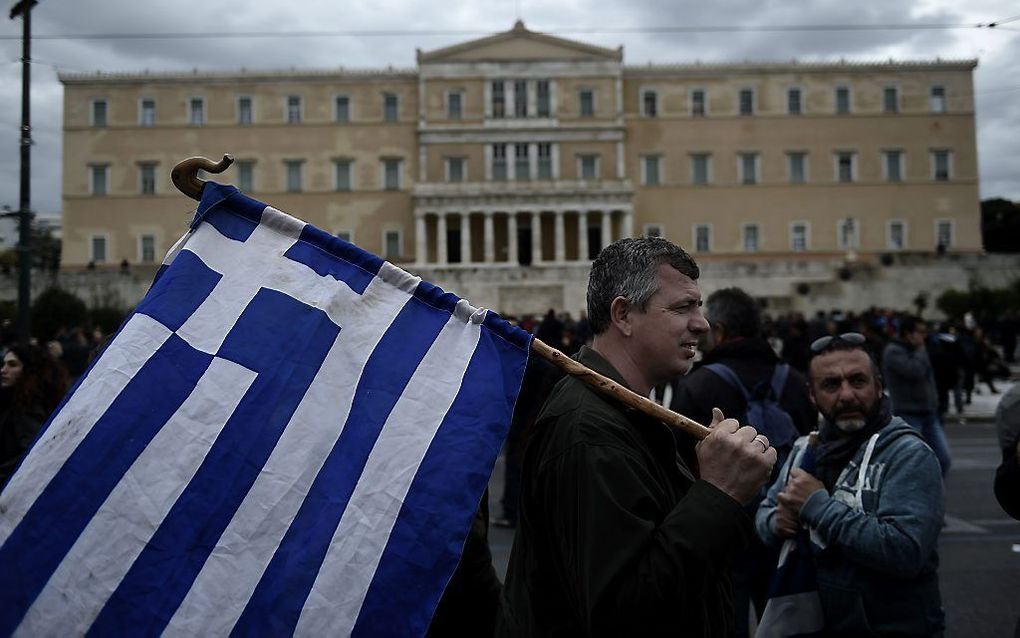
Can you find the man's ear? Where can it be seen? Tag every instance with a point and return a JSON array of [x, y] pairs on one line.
[[620, 315]]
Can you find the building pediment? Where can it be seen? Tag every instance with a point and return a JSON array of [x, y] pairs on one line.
[[516, 44]]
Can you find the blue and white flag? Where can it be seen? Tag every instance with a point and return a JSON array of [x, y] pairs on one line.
[[288, 435]]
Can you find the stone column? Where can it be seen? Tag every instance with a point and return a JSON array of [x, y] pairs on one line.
[[420, 246], [628, 223], [607, 228], [465, 237], [511, 238], [582, 236], [490, 239], [559, 237], [536, 237], [441, 252]]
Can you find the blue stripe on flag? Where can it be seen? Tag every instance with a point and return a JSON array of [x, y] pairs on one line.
[[40, 542], [276, 603], [436, 297], [285, 341], [238, 214], [328, 255], [179, 293], [442, 500]]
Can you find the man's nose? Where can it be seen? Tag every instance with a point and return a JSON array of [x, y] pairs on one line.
[[699, 323]]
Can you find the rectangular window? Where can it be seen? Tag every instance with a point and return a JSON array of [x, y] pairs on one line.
[[797, 167], [748, 168], [847, 233], [147, 178], [196, 111], [521, 98], [650, 170], [246, 176], [293, 175], [649, 103], [391, 107], [543, 98], [751, 238], [391, 174], [893, 165], [147, 249], [522, 162], [943, 233], [342, 175], [498, 99], [98, 249], [147, 116], [293, 109], [99, 110], [798, 236], [455, 169], [897, 235], [747, 101], [698, 103], [391, 244], [937, 100], [845, 162], [98, 179], [586, 102], [842, 100], [702, 238], [245, 115], [700, 166], [941, 164], [346, 235], [545, 167], [588, 166], [891, 99], [454, 105], [653, 230], [342, 108], [793, 101], [499, 166]]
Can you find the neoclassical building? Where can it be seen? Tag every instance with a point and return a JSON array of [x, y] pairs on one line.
[[499, 167]]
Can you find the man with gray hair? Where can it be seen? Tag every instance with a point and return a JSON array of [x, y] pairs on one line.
[[617, 535]]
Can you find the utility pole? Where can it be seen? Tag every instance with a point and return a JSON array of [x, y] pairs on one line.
[[24, 9]]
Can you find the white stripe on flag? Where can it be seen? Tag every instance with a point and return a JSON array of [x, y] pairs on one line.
[[122, 527], [340, 587], [233, 570], [140, 338]]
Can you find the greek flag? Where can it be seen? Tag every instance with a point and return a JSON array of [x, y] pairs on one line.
[[288, 436]]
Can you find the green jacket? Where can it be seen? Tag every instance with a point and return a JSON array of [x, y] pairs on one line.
[[616, 537]]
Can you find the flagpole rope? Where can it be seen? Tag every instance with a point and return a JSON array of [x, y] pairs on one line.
[[609, 387]]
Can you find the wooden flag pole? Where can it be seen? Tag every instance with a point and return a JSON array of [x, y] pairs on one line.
[[609, 387]]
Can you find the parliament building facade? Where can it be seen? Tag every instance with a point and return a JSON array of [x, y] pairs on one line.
[[498, 168]]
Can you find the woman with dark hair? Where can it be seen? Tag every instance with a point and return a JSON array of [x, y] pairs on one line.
[[32, 383]]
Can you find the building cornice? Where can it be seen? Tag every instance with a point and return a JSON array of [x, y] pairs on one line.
[[845, 66], [244, 75]]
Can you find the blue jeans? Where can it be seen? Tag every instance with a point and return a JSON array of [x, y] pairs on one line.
[[930, 427]]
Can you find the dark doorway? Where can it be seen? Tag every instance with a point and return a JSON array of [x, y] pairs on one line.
[[594, 241], [524, 246], [453, 246]]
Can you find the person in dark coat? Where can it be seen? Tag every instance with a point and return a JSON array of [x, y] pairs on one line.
[[617, 536], [1007, 476]]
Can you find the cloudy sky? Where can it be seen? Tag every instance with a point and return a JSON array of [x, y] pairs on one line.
[[386, 33]]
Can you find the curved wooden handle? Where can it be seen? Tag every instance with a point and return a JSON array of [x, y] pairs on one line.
[[185, 174], [627, 397]]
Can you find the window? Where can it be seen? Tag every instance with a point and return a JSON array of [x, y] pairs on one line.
[[498, 99], [147, 178], [588, 166], [147, 249], [293, 175], [521, 98], [545, 164], [892, 165], [346, 235], [649, 103], [454, 105], [245, 115], [701, 168], [147, 112], [941, 165], [391, 244], [391, 174], [702, 238], [752, 234], [846, 166], [798, 236], [543, 98], [246, 176], [698, 103], [842, 100], [499, 166], [342, 175], [937, 100], [652, 230], [793, 101], [342, 108], [847, 233], [196, 111], [522, 162], [455, 169], [891, 99], [650, 170], [797, 166], [943, 233], [586, 102], [99, 110], [98, 178], [747, 101], [98, 245], [391, 107], [293, 109], [896, 234], [748, 168]]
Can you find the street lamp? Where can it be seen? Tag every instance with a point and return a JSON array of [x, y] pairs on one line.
[[24, 9]]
